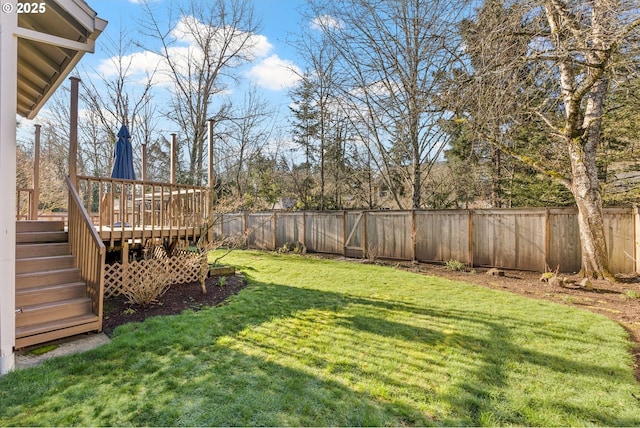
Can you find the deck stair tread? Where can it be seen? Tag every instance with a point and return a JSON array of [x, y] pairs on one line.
[[48, 272], [41, 237], [51, 298], [49, 277], [32, 329], [39, 226], [56, 303], [51, 311], [30, 250], [49, 293], [46, 263]]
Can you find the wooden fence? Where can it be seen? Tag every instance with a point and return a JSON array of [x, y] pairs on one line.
[[525, 239]]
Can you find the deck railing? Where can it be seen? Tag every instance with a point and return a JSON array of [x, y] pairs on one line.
[[131, 209], [88, 249], [23, 205]]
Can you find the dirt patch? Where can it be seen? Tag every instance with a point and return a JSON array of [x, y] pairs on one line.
[[118, 310]]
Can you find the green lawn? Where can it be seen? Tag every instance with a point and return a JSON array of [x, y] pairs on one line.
[[318, 342]]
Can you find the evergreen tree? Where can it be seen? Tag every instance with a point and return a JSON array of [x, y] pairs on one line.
[[306, 123]]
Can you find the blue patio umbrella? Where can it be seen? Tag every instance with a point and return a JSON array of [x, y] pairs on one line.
[[123, 156]]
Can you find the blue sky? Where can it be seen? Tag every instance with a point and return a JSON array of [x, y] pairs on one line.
[[280, 20]]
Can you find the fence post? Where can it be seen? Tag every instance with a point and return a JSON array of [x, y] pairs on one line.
[[636, 239], [470, 237], [344, 232], [304, 228], [413, 235], [364, 234], [547, 237], [245, 229], [275, 230]]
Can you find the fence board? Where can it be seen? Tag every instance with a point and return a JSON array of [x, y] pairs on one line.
[[233, 224], [260, 226], [564, 241], [513, 239], [619, 231], [442, 236], [324, 232], [353, 228], [389, 234], [289, 228]]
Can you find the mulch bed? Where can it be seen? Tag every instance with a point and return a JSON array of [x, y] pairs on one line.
[[118, 310]]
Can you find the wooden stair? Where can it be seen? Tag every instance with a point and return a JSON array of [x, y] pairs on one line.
[[51, 298]]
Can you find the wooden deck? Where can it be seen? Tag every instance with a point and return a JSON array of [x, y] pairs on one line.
[[60, 269], [134, 211], [115, 234]]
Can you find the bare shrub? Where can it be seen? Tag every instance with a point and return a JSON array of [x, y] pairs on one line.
[[372, 252], [146, 287]]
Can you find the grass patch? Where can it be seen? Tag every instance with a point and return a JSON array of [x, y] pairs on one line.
[[632, 294], [314, 342], [43, 349], [455, 265]]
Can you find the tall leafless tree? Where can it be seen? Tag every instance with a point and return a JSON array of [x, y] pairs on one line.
[[248, 131], [392, 55], [200, 45]]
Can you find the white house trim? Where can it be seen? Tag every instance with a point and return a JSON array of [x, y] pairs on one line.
[[61, 42], [8, 96], [49, 58]]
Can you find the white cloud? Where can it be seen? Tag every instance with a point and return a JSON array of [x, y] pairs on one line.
[[138, 65], [185, 30], [274, 73], [267, 70], [323, 22]]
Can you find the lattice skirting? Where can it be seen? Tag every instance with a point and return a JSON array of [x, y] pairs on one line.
[[180, 269]]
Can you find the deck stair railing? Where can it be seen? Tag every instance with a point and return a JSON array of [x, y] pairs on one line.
[[24, 205], [133, 209], [88, 249]]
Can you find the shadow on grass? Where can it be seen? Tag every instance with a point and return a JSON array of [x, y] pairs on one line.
[[191, 370]]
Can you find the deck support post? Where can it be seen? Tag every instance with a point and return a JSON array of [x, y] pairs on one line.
[[211, 180], [35, 200], [174, 158], [144, 162], [73, 132], [125, 253], [124, 258]]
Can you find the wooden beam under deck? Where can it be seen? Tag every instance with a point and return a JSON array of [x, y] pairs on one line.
[[141, 233]]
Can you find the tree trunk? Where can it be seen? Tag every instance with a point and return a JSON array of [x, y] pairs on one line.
[[585, 88], [415, 196], [586, 192], [586, 185], [496, 188]]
